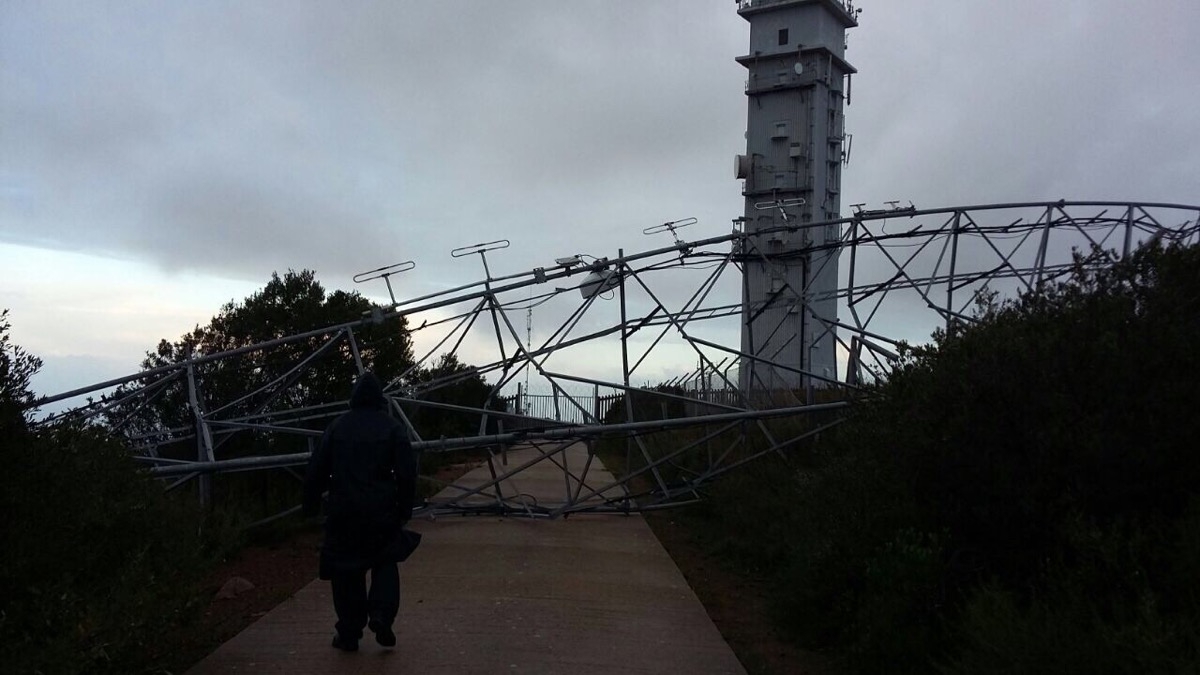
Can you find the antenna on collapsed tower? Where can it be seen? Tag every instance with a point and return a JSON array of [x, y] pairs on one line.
[[782, 205], [671, 227], [482, 250], [385, 273]]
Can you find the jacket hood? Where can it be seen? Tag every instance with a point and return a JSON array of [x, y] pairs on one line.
[[367, 393]]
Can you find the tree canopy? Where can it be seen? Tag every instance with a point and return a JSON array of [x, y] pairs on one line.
[[17, 368], [288, 375]]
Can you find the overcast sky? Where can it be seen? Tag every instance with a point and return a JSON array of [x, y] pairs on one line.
[[158, 159]]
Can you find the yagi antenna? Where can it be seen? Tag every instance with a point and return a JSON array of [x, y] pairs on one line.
[[385, 273]]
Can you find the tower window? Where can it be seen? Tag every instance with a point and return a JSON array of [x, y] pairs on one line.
[[783, 36]]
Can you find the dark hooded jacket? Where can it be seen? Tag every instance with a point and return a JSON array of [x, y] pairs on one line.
[[367, 464]]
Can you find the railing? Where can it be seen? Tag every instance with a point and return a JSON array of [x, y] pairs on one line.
[[847, 5], [559, 407], [568, 409]]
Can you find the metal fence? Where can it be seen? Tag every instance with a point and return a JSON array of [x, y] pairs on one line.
[[593, 407], [561, 407]]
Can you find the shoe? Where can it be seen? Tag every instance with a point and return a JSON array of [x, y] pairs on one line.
[[383, 634], [344, 644]]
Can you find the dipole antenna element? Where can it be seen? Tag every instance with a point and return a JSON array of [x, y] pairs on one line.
[[782, 205], [482, 250], [385, 273], [671, 227]]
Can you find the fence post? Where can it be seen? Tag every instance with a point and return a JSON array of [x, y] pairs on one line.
[[204, 442], [503, 448]]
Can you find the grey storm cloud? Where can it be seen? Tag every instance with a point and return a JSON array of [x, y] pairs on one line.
[[981, 102], [241, 138]]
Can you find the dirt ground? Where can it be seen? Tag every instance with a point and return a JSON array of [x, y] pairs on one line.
[[277, 571], [738, 606]]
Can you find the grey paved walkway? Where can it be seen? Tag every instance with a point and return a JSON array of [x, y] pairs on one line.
[[590, 594]]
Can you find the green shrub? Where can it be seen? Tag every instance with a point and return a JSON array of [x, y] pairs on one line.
[[1060, 630], [1018, 496], [863, 561], [1121, 596], [756, 498], [99, 563], [96, 562]]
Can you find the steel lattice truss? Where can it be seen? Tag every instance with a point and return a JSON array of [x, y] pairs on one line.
[[628, 319]]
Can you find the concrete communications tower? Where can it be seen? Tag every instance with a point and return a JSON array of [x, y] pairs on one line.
[[798, 80]]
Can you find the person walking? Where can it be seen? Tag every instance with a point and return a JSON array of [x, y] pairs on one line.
[[367, 464]]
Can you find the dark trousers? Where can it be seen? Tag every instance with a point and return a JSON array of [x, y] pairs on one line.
[[355, 605]]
